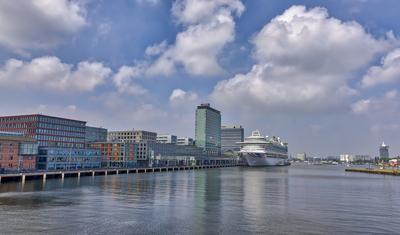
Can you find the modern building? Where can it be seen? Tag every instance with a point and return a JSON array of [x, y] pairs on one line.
[[230, 136], [56, 158], [384, 151], [47, 130], [301, 157], [166, 139], [121, 154], [208, 130], [133, 136], [95, 134], [184, 141], [17, 152], [173, 150]]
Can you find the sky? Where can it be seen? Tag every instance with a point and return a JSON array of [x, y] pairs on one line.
[[322, 75]]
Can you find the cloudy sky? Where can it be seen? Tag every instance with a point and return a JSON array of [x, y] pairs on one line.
[[324, 75]]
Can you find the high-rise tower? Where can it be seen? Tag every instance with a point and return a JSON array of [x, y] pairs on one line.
[[208, 129]]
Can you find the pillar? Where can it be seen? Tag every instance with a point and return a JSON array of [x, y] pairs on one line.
[[23, 179], [92, 173], [0, 179], [79, 174], [117, 172], [62, 175], [44, 177], [105, 173]]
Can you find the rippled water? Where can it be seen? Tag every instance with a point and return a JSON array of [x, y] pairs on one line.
[[299, 199]]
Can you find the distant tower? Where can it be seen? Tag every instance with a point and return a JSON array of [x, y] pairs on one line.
[[208, 129], [384, 150]]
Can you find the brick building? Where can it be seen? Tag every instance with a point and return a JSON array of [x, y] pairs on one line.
[[17, 153]]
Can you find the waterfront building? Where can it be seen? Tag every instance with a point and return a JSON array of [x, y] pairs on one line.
[[184, 141], [301, 157], [230, 137], [170, 150], [166, 139], [56, 158], [172, 154], [384, 151], [121, 154], [349, 158], [17, 152], [95, 134], [132, 136], [208, 129], [47, 130]]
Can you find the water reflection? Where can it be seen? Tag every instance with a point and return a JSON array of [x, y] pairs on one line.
[[296, 199]]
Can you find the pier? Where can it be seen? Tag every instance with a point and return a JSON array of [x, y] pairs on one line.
[[395, 172], [22, 177]]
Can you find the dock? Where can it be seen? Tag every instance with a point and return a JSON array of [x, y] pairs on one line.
[[22, 177], [395, 172]]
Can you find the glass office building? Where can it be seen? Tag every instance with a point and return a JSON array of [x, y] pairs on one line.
[[208, 129], [54, 158], [48, 131]]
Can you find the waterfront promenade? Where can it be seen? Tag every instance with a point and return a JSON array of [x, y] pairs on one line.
[[22, 177]]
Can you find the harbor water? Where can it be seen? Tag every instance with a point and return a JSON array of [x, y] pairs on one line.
[[297, 199]]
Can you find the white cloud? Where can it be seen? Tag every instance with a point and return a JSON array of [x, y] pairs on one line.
[[39, 23], [209, 26], [156, 49], [49, 72], [123, 80], [304, 62], [361, 106], [196, 11], [385, 106], [387, 72], [179, 98]]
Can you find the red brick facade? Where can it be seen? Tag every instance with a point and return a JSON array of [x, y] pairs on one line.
[[11, 157]]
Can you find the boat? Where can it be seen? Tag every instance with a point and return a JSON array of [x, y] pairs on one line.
[[257, 150]]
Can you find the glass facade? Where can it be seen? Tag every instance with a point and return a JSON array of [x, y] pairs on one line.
[[95, 134], [52, 158], [208, 129]]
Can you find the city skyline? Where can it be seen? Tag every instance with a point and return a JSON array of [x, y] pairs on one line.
[[147, 64]]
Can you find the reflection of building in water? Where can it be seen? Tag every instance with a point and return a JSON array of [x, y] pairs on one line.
[[265, 192]]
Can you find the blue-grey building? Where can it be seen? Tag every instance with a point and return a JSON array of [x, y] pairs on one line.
[[54, 158], [230, 136]]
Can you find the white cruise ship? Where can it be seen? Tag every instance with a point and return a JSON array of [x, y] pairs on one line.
[[258, 150]]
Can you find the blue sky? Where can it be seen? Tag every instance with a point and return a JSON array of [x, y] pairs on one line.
[[324, 75]]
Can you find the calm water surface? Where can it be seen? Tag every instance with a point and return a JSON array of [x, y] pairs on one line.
[[299, 199]]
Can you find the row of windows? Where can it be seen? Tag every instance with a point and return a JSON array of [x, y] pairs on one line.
[[61, 121], [19, 119], [17, 125], [60, 132], [57, 138], [60, 144], [62, 127]]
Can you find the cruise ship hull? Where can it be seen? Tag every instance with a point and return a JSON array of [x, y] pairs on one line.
[[257, 159]]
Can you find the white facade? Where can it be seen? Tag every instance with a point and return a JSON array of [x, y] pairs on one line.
[[353, 158], [184, 141], [166, 139], [301, 156], [133, 136]]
